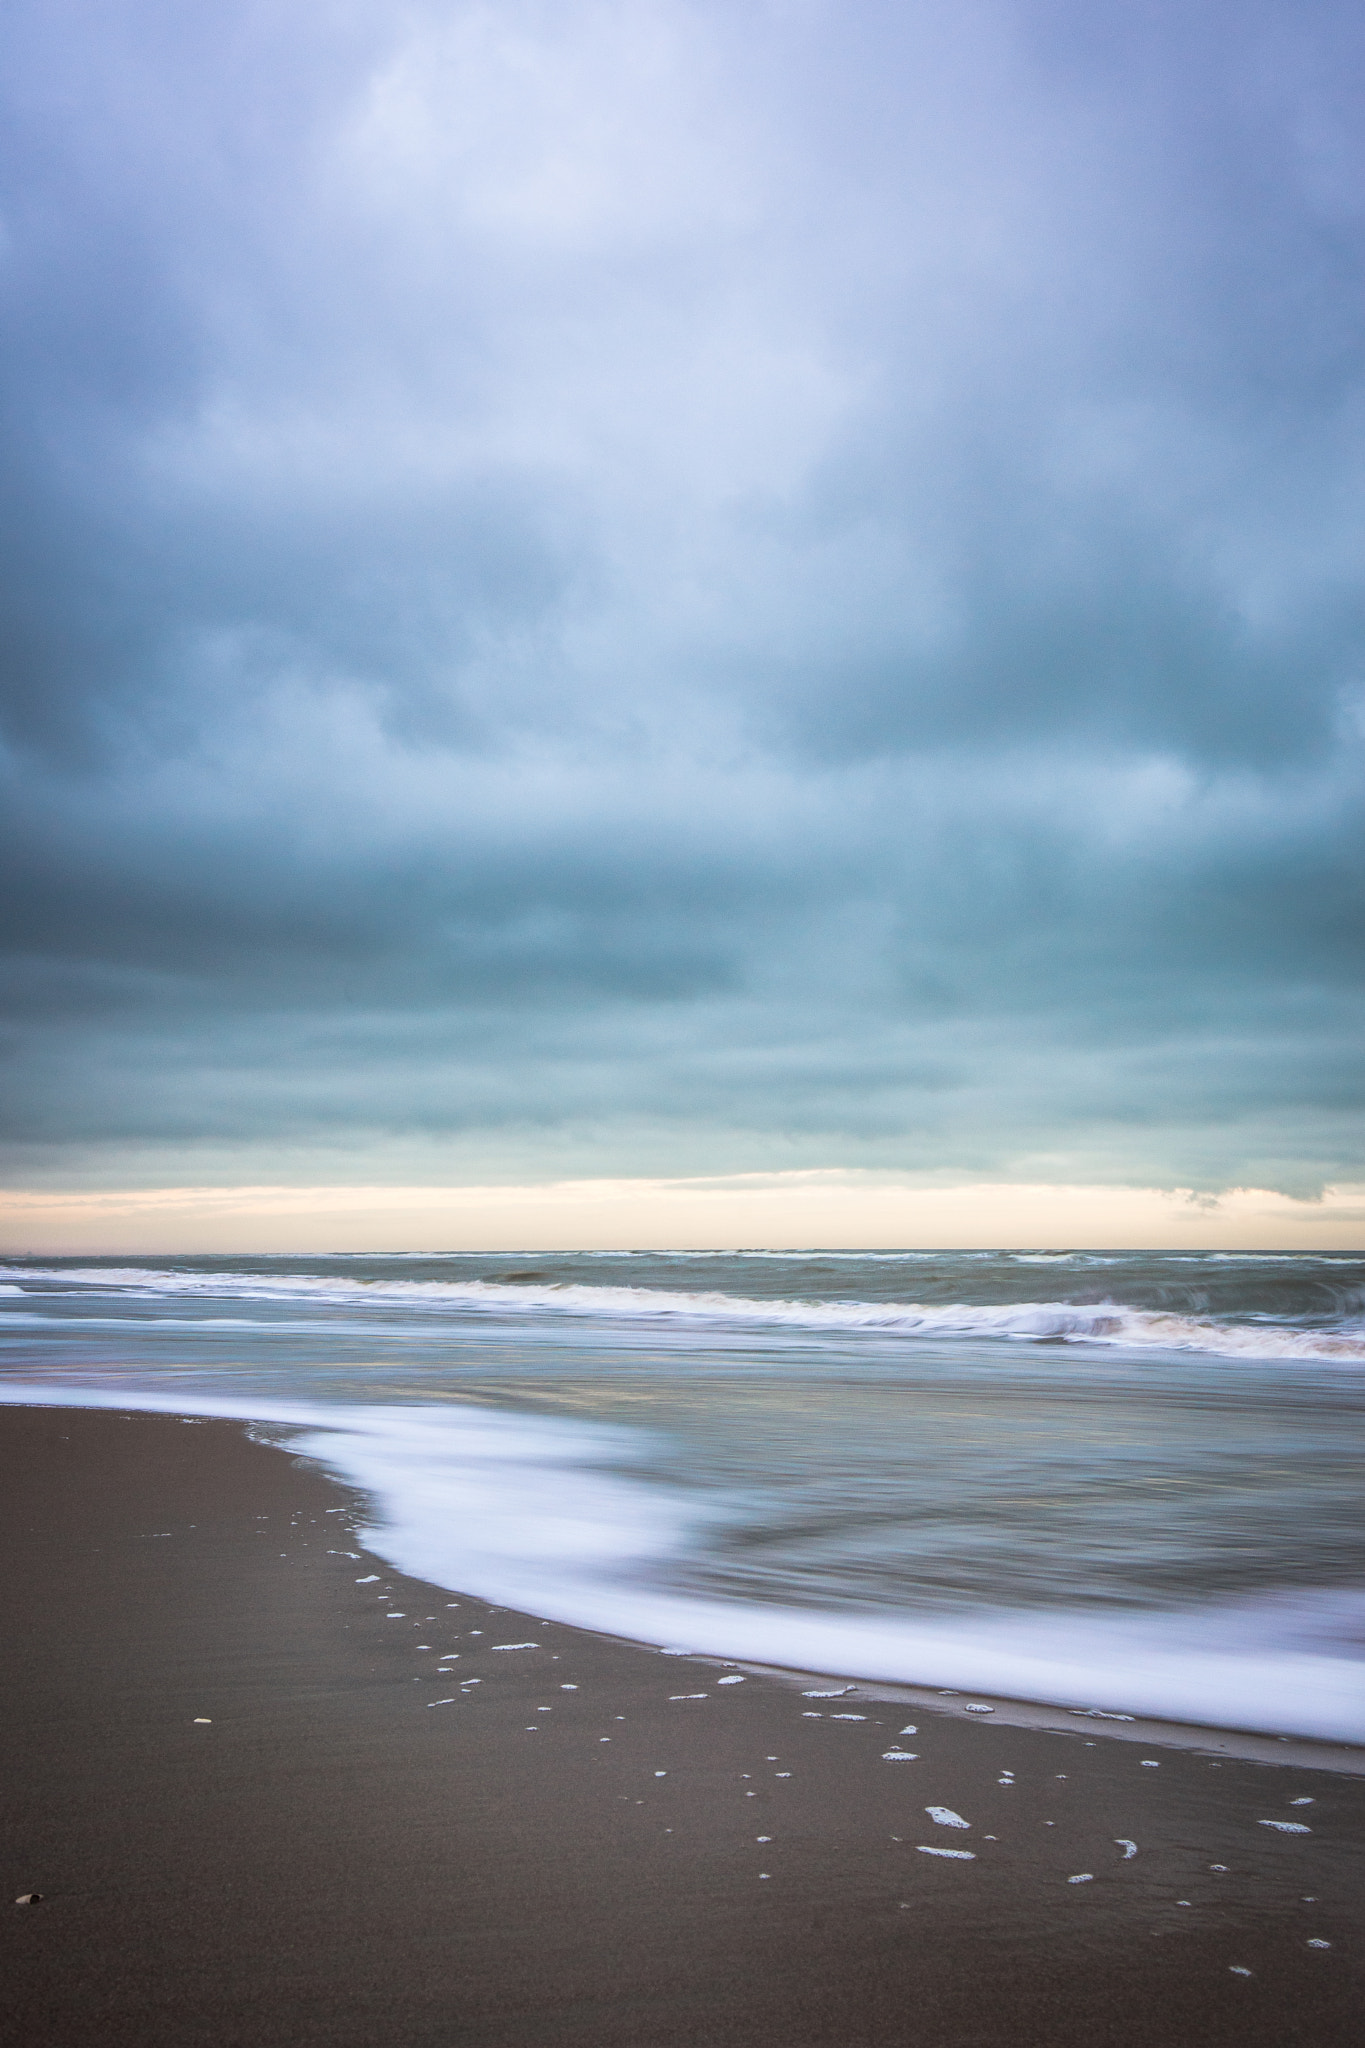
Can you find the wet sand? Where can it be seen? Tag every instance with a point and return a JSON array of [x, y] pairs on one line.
[[227, 1772]]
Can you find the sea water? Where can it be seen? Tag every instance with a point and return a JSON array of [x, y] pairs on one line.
[[1130, 1481]]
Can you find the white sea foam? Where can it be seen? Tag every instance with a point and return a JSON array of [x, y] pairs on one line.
[[546, 1516], [1107, 1323]]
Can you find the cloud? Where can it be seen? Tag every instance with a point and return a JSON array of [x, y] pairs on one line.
[[679, 589]]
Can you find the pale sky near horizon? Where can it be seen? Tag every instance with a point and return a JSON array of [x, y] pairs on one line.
[[622, 591], [798, 1210]]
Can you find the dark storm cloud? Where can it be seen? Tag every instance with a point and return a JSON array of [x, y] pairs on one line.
[[668, 588]]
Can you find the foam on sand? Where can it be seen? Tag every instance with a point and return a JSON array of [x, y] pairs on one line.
[[546, 1516]]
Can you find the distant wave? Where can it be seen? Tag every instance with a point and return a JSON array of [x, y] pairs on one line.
[[1035, 1322]]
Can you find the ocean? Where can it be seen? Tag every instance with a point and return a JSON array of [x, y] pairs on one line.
[[1127, 1481]]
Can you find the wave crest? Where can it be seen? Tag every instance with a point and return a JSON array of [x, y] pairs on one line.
[[1052, 1322]]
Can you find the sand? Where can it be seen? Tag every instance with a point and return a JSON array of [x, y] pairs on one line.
[[228, 1774]]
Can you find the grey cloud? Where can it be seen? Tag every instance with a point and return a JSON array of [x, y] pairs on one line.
[[685, 589]]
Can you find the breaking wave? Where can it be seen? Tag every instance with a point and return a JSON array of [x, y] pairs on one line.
[[1038, 1322]]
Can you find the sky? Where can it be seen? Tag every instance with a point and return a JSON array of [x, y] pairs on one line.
[[621, 592]]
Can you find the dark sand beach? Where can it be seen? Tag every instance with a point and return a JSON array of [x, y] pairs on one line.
[[227, 1774]]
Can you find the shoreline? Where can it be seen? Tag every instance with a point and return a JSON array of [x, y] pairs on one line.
[[261, 1810], [1245, 1744], [744, 1635]]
